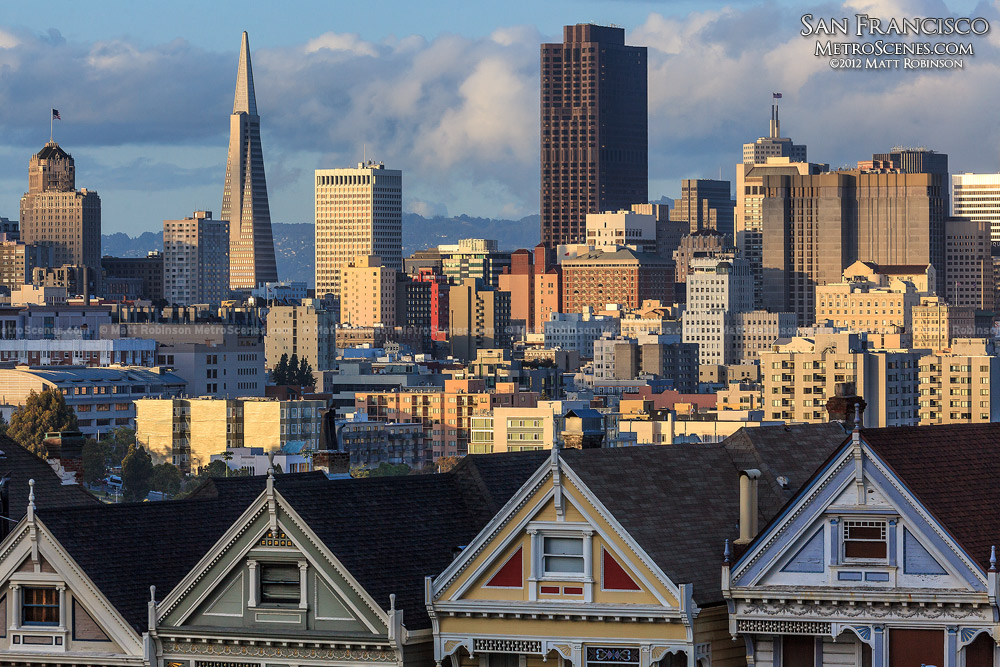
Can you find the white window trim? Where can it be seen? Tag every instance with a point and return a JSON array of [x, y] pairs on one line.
[[538, 530], [16, 584], [253, 571]]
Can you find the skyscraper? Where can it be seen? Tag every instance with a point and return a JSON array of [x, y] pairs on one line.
[[705, 204], [773, 145], [54, 213], [359, 212], [195, 260], [977, 197], [244, 199], [594, 129]]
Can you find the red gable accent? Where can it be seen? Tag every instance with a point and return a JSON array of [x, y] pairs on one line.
[[509, 574], [614, 577]]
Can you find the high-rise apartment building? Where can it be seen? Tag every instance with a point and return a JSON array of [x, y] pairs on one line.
[[718, 288], [936, 324], [977, 197], [594, 129], [195, 260], [773, 145], [956, 385], [358, 212], [244, 198], [18, 260], [56, 214], [308, 331], [478, 317], [705, 204], [146, 271], [473, 258], [969, 264], [368, 293], [801, 374]]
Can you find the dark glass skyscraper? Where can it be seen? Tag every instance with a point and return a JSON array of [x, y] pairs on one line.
[[594, 129]]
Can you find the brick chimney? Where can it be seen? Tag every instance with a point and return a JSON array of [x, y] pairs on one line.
[[584, 429], [841, 405], [331, 461], [65, 454]]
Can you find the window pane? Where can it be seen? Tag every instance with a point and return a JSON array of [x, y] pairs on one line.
[[560, 546], [564, 564], [40, 606], [279, 583], [864, 549], [866, 532]]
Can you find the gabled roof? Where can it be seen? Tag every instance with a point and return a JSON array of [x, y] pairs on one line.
[[953, 470], [681, 502], [50, 492]]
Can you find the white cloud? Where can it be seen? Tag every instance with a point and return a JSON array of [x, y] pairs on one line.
[[349, 42]]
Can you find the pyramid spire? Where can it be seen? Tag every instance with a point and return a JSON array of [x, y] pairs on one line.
[[245, 100]]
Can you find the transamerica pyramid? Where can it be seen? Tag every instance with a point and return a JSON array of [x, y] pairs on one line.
[[244, 199]]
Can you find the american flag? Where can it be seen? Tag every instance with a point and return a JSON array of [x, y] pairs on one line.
[[776, 96], [55, 115]]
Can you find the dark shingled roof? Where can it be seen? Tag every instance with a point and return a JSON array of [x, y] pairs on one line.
[[954, 471], [51, 150], [679, 502], [50, 492]]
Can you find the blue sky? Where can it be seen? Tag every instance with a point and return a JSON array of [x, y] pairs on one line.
[[447, 91]]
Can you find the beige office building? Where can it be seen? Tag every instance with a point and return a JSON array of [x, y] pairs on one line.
[[54, 213], [307, 330], [969, 264], [955, 386], [368, 295], [196, 260], [358, 212], [478, 318], [977, 197], [611, 230], [936, 323], [874, 299], [801, 375], [187, 432]]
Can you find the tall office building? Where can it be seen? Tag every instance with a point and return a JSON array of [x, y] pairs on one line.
[[594, 129], [718, 288], [244, 199], [969, 264], [914, 160], [773, 145], [705, 204], [977, 197], [196, 260], [359, 212], [54, 213]]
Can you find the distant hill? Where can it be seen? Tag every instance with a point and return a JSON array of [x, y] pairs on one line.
[[295, 254]]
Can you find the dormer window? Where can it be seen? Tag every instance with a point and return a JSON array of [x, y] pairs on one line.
[[39, 606], [562, 555], [865, 539], [280, 584]]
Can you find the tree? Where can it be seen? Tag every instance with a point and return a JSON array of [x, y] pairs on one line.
[[292, 376], [117, 441], [305, 374], [95, 461], [360, 472], [280, 373], [216, 468], [3, 426], [41, 413], [446, 463], [390, 470], [137, 472], [227, 456], [166, 478]]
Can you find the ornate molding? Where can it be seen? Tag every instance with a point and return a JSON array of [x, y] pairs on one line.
[[284, 652], [863, 611], [781, 627], [507, 646]]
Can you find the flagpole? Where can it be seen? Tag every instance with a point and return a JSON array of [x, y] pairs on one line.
[[51, 120]]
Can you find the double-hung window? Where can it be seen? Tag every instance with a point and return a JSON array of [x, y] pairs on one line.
[[39, 606], [865, 539], [562, 555]]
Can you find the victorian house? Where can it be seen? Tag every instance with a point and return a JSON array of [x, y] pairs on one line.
[[610, 557], [885, 557]]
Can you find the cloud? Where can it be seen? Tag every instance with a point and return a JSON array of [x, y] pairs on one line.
[[459, 115]]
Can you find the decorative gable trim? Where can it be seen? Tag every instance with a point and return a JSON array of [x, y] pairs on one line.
[[32, 540], [269, 503], [510, 574]]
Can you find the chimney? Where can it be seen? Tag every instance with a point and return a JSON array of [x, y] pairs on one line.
[[748, 505], [844, 404], [332, 462], [584, 429], [65, 454]]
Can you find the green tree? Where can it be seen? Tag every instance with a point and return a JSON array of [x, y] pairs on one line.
[[305, 374], [3, 426], [216, 468], [95, 461], [292, 376], [166, 478], [280, 373], [446, 463], [137, 472], [40, 414], [117, 441], [360, 472], [390, 470]]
